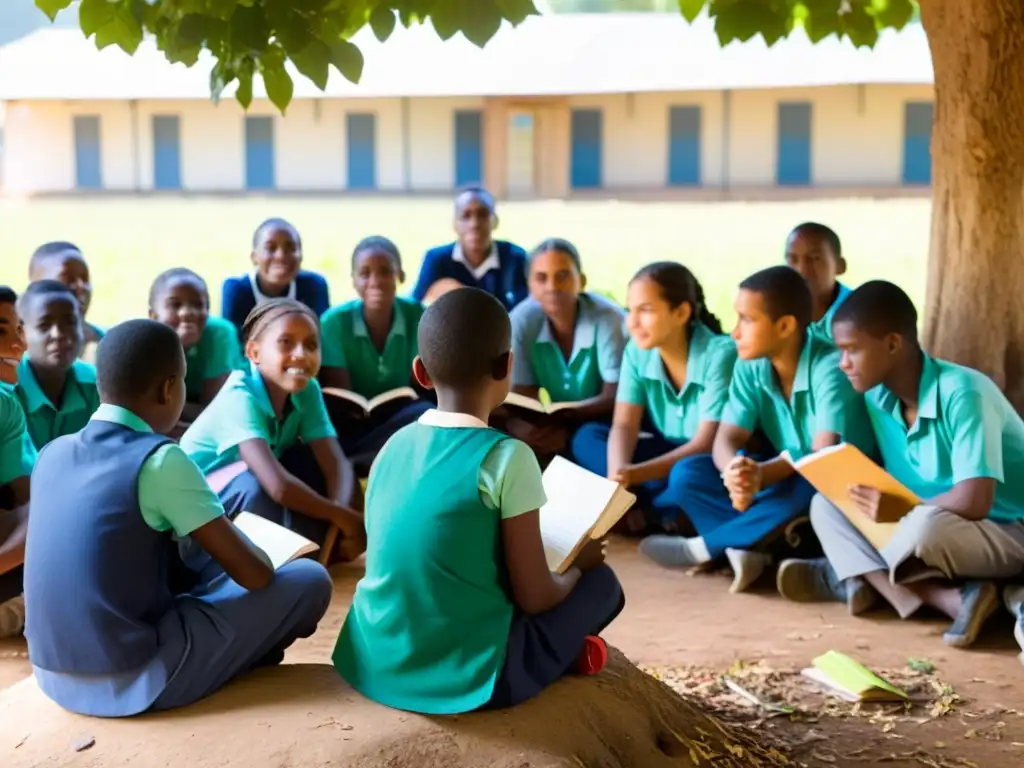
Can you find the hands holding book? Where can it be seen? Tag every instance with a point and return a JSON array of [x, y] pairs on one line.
[[591, 556], [870, 501], [742, 479]]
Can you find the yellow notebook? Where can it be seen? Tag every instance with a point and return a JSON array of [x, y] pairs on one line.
[[833, 470], [851, 680]]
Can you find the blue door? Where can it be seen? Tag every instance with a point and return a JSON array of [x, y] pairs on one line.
[[917, 142], [87, 152], [362, 151], [793, 154], [259, 153], [468, 147], [166, 152], [684, 147], [586, 148]]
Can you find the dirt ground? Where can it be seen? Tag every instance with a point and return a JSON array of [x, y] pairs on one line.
[[687, 630]]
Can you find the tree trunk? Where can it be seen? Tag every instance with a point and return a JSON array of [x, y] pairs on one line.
[[974, 312]]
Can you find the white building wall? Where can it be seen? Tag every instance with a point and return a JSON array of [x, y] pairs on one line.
[[432, 141]]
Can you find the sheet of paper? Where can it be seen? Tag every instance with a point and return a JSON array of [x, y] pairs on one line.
[[280, 544], [576, 499]]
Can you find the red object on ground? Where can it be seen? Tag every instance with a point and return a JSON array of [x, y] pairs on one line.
[[593, 657]]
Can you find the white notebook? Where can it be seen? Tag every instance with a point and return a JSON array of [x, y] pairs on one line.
[[281, 545], [580, 506]]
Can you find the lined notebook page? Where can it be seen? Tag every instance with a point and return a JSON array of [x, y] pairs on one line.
[[281, 545]]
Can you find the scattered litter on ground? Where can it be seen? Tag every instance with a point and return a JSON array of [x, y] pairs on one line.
[[83, 743]]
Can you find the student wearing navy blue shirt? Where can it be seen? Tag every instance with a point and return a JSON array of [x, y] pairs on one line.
[[475, 259], [276, 258]]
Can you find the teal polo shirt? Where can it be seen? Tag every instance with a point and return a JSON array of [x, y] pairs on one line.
[[822, 401], [242, 411], [217, 354], [965, 429], [677, 414], [77, 405], [17, 452], [596, 357], [823, 328], [347, 344]]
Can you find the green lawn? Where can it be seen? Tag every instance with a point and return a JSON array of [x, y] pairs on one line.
[[128, 241]]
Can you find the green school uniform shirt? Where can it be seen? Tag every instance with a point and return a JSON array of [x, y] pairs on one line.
[[242, 411], [677, 414], [17, 452], [822, 401], [430, 619], [965, 429], [77, 405], [347, 344], [217, 354], [596, 357], [823, 328]]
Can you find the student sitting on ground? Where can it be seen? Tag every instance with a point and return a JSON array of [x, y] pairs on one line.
[[56, 390], [17, 456], [369, 346], [276, 258], [12, 336], [566, 342], [674, 383], [179, 299], [815, 252], [106, 636], [475, 259], [268, 437], [452, 520], [787, 383], [949, 435], [64, 262]]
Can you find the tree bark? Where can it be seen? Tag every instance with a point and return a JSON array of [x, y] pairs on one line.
[[974, 312]]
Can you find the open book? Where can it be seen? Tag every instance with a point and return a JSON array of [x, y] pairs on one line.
[[369, 404], [833, 470], [281, 545], [850, 680], [537, 406], [581, 506]]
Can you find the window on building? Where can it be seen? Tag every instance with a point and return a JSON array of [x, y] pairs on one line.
[[362, 150], [88, 168], [259, 153], [468, 147], [166, 152], [587, 145], [684, 146], [917, 142], [793, 154]]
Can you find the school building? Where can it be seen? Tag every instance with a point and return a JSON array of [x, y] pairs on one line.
[[604, 104]]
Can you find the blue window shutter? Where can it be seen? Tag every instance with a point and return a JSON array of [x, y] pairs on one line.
[[587, 140], [362, 150], [684, 147], [468, 147], [88, 166], [259, 153], [166, 152], [917, 142], [793, 154]]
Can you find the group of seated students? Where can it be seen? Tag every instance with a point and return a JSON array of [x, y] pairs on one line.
[[119, 481]]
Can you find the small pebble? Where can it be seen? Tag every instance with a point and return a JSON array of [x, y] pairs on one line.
[[83, 743]]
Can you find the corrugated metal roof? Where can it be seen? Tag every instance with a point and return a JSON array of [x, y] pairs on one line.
[[550, 55]]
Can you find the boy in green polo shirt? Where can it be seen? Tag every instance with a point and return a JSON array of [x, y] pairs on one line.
[[369, 346], [788, 385], [56, 390], [815, 252], [949, 435], [17, 457], [452, 519]]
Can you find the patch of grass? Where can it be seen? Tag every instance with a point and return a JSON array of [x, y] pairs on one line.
[[128, 241]]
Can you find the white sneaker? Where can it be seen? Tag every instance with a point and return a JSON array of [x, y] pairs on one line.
[[12, 617]]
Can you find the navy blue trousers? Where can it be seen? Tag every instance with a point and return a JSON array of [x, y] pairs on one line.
[[542, 648], [362, 437]]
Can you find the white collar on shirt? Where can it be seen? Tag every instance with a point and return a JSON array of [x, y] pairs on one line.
[[491, 262], [262, 298], [437, 418]]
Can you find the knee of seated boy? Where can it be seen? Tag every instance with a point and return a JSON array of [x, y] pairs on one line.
[[689, 471], [308, 580], [606, 584]]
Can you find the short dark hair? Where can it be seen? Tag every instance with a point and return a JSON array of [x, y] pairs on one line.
[[820, 231], [135, 356], [560, 245], [275, 223], [263, 315], [879, 308], [174, 273], [678, 286], [377, 243], [784, 292], [39, 288], [49, 250], [477, 191], [463, 338], [7, 295]]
